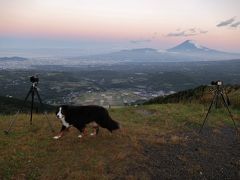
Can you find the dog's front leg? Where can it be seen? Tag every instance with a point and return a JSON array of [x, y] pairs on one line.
[[83, 132], [96, 130], [61, 133]]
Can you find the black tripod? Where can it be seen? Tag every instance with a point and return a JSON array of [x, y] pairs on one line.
[[33, 90], [219, 93]]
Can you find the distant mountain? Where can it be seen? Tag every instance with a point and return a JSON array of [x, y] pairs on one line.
[[187, 51], [190, 46], [142, 54], [141, 50], [15, 58]]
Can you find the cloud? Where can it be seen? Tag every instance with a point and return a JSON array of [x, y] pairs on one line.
[[139, 41], [203, 32], [187, 32], [226, 22], [235, 25], [154, 35], [182, 33], [193, 30]]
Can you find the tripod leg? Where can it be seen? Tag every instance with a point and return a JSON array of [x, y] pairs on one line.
[[39, 98], [45, 114], [28, 94], [14, 119], [226, 105], [209, 109], [216, 101], [11, 123], [32, 102], [25, 100], [228, 101]]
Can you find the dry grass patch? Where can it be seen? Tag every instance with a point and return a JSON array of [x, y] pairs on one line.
[[29, 152]]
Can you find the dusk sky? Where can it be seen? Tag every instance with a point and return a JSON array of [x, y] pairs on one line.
[[115, 24]]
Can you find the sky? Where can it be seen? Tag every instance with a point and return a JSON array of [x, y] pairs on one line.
[[111, 25]]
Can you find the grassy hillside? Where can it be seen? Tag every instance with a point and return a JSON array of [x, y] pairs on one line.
[[12, 105], [155, 142], [201, 94]]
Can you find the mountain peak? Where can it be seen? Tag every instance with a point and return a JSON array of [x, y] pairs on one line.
[[193, 43], [188, 46]]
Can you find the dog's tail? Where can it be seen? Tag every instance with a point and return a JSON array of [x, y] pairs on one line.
[[109, 123], [112, 125]]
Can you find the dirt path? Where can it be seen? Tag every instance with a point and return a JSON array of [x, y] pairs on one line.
[[215, 154]]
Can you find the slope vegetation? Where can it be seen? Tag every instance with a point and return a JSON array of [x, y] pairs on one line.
[[12, 105], [201, 94], [155, 142]]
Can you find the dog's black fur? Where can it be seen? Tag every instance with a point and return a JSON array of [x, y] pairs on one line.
[[80, 116]]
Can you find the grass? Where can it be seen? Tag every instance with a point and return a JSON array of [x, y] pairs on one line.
[[29, 152]]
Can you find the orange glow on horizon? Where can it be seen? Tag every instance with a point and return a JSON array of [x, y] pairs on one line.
[[122, 20]]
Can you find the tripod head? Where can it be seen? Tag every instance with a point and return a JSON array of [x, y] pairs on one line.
[[34, 80], [217, 83]]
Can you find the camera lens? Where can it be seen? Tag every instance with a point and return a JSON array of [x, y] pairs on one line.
[[34, 79], [213, 83], [216, 83]]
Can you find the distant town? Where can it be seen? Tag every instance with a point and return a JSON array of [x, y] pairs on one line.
[[113, 84]]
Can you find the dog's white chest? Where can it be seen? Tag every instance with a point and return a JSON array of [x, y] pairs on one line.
[[62, 118], [66, 124]]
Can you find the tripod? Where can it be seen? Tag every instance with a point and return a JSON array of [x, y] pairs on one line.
[[219, 93], [32, 91]]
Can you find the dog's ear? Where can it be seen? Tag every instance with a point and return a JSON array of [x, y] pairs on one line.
[[64, 110], [57, 110]]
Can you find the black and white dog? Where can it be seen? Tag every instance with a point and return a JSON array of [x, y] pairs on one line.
[[80, 116]]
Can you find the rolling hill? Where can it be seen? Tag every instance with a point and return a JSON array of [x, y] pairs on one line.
[[201, 94], [12, 105], [14, 58]]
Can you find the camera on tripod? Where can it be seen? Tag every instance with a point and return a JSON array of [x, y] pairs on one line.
[[217, 83], [219, 94], [32, 92], [34, 79]]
